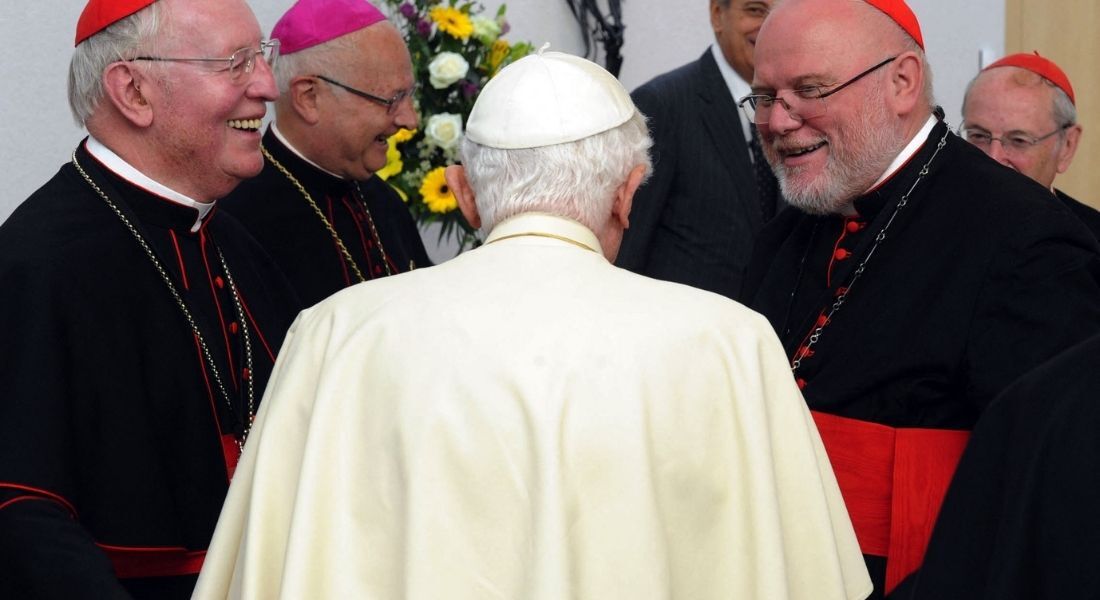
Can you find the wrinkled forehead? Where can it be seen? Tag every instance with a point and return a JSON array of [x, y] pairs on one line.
[[212, 27], [815, 38]]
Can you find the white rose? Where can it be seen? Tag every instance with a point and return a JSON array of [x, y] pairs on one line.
[[444, 130], [486, 30], [447, 68]]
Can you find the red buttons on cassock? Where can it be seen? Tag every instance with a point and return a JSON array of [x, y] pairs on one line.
[[233, 327], [246, 374], [854, 226], [841, 254], [822, 320], [801, 383], [377, 270], [840, 291], [218, 281]]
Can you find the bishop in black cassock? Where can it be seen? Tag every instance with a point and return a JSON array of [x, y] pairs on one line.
[[370, 220], [116, 442]]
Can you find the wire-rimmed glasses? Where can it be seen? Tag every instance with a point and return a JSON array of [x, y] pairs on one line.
[[1017, 142], [805, 103], [238, 65], [391, 104]]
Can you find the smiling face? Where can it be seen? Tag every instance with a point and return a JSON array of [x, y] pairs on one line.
[[355, 129], [1007, 101], [206, 124], [825, 162], [735, 27]]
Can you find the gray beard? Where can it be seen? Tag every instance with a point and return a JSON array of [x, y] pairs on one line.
[[877, 140]]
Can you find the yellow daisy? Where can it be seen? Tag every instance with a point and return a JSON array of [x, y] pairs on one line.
[[394, 165], [403, 135], [435, 192], [452, 21], [497, 54]]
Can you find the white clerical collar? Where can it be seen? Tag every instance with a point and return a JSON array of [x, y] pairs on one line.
[[548, 228], [125, 170], [289, 146], [908, 151], [739, 88]]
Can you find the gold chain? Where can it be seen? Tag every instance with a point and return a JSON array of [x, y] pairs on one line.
[[328, 225], [544, 235], [815, 335], [182, 304]]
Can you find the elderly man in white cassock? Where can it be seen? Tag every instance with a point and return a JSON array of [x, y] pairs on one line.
[[528, 421]]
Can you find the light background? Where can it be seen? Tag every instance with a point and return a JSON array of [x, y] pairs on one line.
[[37, 133]]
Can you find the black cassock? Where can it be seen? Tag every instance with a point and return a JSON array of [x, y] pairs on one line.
[[1020, 519], [116, 444], [284, 223], [980, 277]]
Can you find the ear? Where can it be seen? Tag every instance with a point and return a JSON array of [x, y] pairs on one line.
[[460, 187], [302, 96], [1068, 148], [624, 196], [122, 84], [905, 87], [715, 16]]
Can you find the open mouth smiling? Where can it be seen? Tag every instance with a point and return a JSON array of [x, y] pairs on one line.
[[245, 124]]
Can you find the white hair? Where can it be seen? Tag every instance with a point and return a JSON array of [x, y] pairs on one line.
[[575, 179], [329, 59], [119, 41]]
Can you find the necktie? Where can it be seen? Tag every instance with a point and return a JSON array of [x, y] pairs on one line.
[[766, 186]]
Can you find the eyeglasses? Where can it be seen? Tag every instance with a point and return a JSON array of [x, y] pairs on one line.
[[806, 102], [1014, 142], [391, 104], [238, 64]]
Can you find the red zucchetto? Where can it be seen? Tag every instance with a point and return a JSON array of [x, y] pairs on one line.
[[900, 12], [101, 14], [1044, 67]]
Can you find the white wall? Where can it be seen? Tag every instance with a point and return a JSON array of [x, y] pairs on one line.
[[37, 134]]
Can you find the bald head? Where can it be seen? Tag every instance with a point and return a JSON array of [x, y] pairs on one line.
[[1011, 103]]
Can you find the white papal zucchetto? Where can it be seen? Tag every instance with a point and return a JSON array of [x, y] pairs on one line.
[[547, 98]]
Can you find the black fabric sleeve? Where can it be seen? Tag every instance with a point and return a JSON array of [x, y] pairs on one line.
[[46, 554], [1039, 299]]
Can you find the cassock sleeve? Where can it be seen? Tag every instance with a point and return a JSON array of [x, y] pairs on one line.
[[46, 554], [1039, 299], [43, 548], [1019, 521]]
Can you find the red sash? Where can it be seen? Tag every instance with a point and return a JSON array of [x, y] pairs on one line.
[[893, 482], [153, 562]]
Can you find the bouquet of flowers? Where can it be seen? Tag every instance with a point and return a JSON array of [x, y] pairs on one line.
[[455, 51]]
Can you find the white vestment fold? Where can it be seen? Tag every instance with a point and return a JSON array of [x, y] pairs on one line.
[[527, 421]]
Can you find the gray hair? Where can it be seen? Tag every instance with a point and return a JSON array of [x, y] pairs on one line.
[[575, 179], [329, 58], [119, 41]]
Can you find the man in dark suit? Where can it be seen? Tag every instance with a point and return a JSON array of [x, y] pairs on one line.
[[695, 220]]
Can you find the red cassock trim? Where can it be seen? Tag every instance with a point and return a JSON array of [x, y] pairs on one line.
[[893, 482], [130, 562], [41, 495]]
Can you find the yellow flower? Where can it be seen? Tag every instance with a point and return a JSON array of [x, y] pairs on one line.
[[393, 160], [497, 54], [452, 21], [403, 135], [435, 192]]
